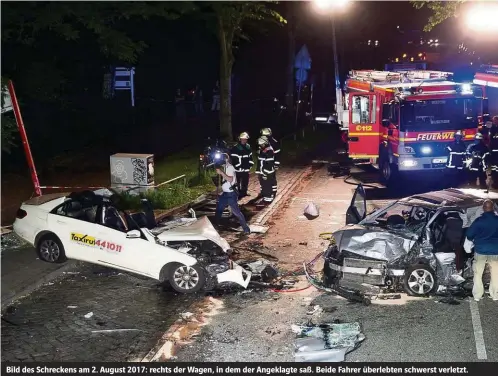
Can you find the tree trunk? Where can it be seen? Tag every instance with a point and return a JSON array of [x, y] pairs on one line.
[[291, 33], [226, 64]]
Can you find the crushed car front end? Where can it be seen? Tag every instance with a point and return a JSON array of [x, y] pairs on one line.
[[198, 238]]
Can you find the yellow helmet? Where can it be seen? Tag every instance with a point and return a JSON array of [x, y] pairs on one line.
[[244, 135], [266, 132]]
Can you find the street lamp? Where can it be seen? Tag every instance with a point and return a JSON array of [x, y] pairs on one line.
[[329, 6], [483, 18]]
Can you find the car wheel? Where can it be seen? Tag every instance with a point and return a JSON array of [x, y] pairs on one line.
[[50, 249], [186, 279], [419, 280]]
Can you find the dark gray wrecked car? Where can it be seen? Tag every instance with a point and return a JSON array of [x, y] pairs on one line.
[[414, 244]]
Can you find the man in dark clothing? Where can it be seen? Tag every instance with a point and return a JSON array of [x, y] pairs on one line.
[[492, 158], [484, 234], [241, 155], [266, 170], [457, 152], [181, 115], [275, 145], [216, 97], [198, 100], [477, 153]]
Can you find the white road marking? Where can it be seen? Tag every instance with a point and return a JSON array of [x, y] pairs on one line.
[[478, 335]]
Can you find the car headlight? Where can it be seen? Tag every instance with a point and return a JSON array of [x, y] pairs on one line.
[[409, 150], [409, 163]]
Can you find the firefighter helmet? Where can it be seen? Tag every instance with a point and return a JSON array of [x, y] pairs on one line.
[[244, 135], [458, 134], [478, 136], [263, 141], [266, 132]]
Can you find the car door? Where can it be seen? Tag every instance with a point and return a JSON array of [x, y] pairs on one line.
[[69, 223], [357, 211], [119, 247]]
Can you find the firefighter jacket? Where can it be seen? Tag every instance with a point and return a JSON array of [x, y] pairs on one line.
[[266, 162], [241, 157], [492, 158], [458, 152], [477, 154], [275, 145]]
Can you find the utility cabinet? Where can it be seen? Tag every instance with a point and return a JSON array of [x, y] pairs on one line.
[[133, 173]]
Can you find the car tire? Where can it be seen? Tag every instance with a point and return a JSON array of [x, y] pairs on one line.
[[417, 276], [50, 249], [178, 272]]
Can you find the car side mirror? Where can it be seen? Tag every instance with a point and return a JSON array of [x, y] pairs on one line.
[[386, 123], [133, 234]]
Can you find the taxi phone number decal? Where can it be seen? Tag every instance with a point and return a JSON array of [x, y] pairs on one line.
[[93, 242]]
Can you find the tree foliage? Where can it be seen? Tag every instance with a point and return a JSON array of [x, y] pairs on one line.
[[230, 21], [9, 126], [440, 11]]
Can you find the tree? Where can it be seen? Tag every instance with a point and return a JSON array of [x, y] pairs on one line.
[[228, 20], [440, 11], [8, 123]]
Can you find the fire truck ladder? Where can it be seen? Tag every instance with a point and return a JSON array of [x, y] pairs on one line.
[[399, 76]]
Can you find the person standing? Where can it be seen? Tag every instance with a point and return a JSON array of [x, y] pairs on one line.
[[181, 115], [198, 100], [484, 234], [492, 157], [241, 155], [228, 195], [457, 152], [275, 145], [266, 170], [477, 153], [216, 97]]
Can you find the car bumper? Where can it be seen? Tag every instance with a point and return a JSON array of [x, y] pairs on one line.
[[363, 271], [236, 274], [435, 163], [25, 232]]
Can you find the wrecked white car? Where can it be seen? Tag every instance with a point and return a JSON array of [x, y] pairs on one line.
[[188, 253], [414, 244]]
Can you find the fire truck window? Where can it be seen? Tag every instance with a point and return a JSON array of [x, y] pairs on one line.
[[360, 111], [373, 109]]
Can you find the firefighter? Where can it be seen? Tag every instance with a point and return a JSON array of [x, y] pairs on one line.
[[266, 170], [476, 162], [492, 158], [457, 152], [275, 145], [241, 155]]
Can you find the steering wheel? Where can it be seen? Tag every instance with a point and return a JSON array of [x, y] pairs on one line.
[[419, 214]]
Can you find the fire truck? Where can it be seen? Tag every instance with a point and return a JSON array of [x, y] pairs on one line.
[[487, 77], [402, 121]]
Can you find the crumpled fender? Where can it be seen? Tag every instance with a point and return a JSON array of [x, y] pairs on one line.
[[236, 274]]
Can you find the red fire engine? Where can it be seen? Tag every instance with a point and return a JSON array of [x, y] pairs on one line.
[[487, 77], [403, 120]]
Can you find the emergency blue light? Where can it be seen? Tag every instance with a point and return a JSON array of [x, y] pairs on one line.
[[217, 156]]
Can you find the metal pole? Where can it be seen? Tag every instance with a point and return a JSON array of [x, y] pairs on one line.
[[338, 91], [24, 138]]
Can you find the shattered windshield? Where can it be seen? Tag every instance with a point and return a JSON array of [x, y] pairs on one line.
[[440, 114]]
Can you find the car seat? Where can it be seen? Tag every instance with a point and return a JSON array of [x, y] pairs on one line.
[[75, 210], [113, 220], [452, 233]]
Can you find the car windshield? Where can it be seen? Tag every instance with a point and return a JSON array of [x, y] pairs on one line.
[[440, 114]]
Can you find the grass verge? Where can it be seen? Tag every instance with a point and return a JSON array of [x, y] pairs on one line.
[[188, 189]]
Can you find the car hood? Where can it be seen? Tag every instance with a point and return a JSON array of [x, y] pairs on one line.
[[375, 242], [190, 230]]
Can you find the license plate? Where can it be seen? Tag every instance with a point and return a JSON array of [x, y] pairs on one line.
[[440, 160]]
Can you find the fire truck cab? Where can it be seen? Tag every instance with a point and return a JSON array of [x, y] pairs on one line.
[[403, 120]]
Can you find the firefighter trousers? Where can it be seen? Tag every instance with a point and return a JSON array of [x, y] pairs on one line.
[[477, 174], [267, 182], [242, 182]]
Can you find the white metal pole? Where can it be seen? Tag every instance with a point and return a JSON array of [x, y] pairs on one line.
[[338, 91], [132, 86]]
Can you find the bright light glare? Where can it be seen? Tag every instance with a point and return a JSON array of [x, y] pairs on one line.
[[217, 156], [328, 4], [466, 88], [483, 18], [426, 150]]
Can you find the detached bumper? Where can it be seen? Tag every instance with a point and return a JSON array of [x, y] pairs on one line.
[[364, 271], [236, 274]]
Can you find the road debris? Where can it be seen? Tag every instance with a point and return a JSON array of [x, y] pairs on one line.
[[115, 330], [88, 315], [311, 211], [329, 342], [186, 315], [72, 306], [266, 271]]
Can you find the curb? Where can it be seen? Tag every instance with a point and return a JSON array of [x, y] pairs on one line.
[[266, 214], [70, 265]]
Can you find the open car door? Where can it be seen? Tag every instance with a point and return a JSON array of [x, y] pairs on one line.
[[357, 211]]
